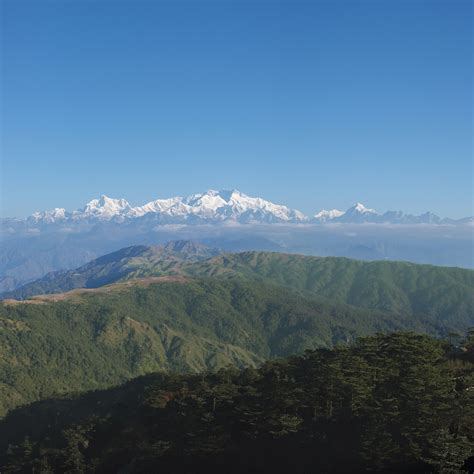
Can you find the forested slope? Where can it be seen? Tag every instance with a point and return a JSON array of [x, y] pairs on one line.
[[441, 293], [95, 338], [390, 403]]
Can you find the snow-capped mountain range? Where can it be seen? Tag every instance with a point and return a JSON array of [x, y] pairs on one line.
[[222, 206]]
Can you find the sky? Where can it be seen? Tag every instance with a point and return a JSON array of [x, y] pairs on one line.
[[315, 104]]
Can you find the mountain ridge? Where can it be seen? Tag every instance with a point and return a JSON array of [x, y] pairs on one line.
[[398, 287], [115, 266], [217, 206]]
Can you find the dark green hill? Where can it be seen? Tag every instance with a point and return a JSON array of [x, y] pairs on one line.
[[439, 293], [385, 404], [94, 338]]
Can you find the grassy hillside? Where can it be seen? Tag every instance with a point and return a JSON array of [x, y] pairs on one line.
[[385, 404], [94, 338]]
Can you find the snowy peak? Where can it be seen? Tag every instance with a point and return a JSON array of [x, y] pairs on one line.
[[209, 201], [217, 206], [56, 214], [211, 206], [355, 214], [358, 213], [325, 215], [104, 207], [359, 208]]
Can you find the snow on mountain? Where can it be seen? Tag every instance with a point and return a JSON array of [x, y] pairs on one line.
[[220, 206], [359, 208], [358, 213], [169, 206], [54, 215], [211, 206], [324, 215], [103, 208], [238, 206]]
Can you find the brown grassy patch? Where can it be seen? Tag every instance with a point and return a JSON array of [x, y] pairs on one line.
[[68, 295]]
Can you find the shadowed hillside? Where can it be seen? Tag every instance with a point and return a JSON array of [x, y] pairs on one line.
[[385, 404]]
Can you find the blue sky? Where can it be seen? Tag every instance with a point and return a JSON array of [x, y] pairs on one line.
[[311, 104]]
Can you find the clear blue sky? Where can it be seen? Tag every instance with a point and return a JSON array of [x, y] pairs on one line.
[[311, 104]]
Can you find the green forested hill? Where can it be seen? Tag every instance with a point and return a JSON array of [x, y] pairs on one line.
[[398, 403], [94, 338], [209, 312], [439, 293]]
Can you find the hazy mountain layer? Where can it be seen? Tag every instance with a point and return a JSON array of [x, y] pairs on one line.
[[33, 252], [125, 263]]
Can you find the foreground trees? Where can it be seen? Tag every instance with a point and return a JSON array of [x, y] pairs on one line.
[[389, 403]]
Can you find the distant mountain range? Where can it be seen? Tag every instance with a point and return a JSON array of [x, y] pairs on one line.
[[229, 220], [213, 207]]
